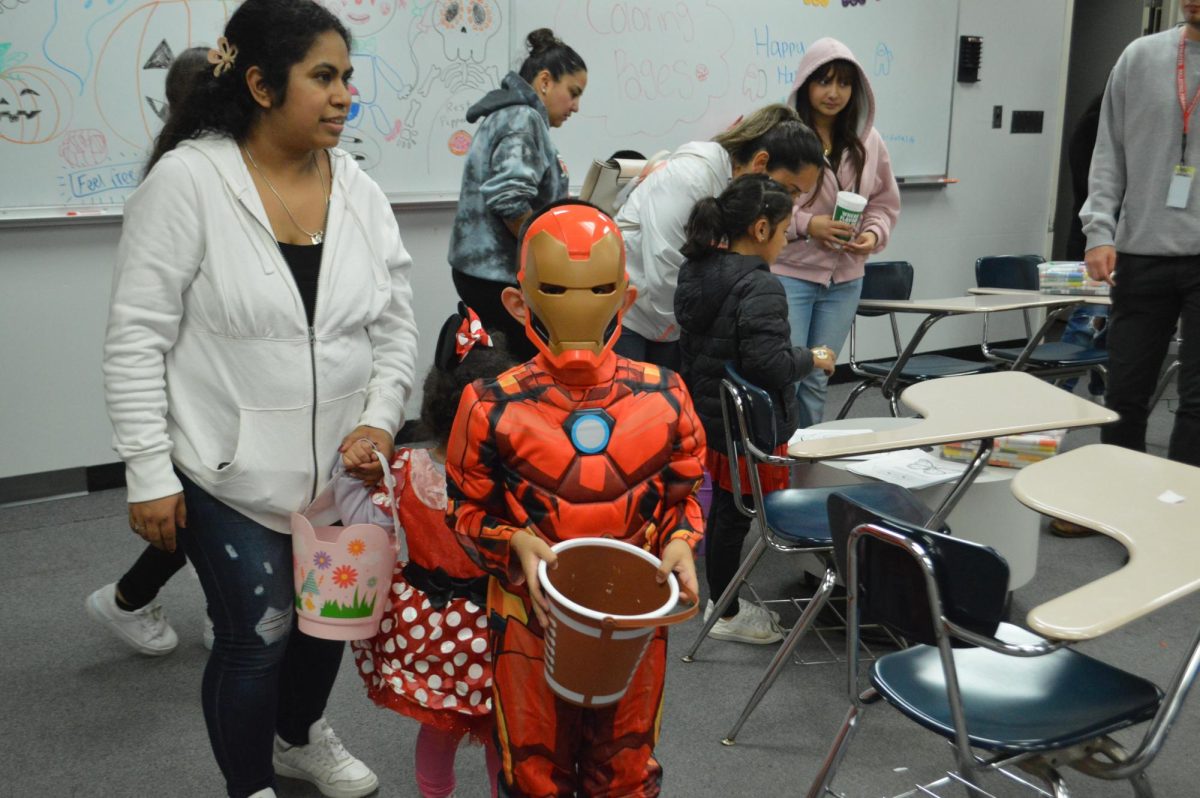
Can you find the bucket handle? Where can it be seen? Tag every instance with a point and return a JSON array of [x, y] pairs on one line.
[[389, 480], [610, 623]]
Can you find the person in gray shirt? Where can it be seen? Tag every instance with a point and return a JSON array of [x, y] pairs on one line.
[[1142, 222]]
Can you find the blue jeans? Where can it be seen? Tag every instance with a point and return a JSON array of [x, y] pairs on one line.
[[263, 677], [1087, 327], [819, 315], [640, 348]]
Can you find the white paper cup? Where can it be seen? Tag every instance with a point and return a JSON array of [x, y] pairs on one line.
[[849, 208]]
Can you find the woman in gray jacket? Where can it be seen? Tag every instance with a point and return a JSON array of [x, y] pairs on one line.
[[512, 170]]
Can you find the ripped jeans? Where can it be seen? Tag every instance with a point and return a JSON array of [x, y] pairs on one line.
[[264, 676]]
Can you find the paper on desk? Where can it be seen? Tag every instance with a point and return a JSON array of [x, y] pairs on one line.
[[1171, 497], [909, 468], [809, 434]]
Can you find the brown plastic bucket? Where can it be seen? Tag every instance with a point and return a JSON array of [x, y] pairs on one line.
[[605, 603]]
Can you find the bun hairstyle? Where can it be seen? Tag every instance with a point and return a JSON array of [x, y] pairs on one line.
[[777, 130], [449, 375], [273, 35], [717, 221], [547, 51]]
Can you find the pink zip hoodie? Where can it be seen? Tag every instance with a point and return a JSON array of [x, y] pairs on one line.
[[806, 259]]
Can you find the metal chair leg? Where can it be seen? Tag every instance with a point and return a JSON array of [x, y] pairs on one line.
[[806, 621], [1163, 382], [1141, 786], [837, 752], [854, 394], [756, 553], [894, 404]]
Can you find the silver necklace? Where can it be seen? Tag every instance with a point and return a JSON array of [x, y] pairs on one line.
[[316, 237]]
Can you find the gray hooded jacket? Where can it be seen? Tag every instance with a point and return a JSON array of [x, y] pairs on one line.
[[511, 169]]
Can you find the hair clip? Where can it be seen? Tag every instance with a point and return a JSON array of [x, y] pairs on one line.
[[470, 332], [222, 57]]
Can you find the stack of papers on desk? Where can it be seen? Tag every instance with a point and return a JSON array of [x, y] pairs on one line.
[[909, 468], [1068, 277], [1011, 451]]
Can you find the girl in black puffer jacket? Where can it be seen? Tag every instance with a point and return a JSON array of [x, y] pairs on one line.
[[731, 309]]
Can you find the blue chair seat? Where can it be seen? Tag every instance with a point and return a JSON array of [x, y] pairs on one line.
[[1016, 704], [1057, 353], [799, 515], [926, 367]]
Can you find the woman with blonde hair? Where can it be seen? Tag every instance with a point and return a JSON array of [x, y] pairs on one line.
[[771, 141]]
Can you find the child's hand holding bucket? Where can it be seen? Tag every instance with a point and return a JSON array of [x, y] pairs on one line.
[[677, 557], [531, 550]]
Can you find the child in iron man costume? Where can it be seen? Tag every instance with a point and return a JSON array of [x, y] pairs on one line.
[[577, 442]]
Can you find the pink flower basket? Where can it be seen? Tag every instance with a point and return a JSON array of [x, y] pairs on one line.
[[343, 574]]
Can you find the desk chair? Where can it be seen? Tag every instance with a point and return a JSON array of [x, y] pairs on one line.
[[790, 521], [1167, 375], [894, 280], [1052, 360], [947, 594]]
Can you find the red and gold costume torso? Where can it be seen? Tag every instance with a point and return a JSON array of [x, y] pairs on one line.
[[620, 458]]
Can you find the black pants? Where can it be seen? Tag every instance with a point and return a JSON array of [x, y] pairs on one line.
[[148, 574], [640, 348], [483, 297], [1149, 295], [724, 534]]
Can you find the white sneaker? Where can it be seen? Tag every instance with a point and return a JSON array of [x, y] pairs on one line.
[[145, 630], [752, 624], [209, 637], [742, 604], [325, 763], [265, 792]]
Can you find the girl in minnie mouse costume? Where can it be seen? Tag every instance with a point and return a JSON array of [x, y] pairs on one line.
[[431, 658]]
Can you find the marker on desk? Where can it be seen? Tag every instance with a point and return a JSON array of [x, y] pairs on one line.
[[87, 212]]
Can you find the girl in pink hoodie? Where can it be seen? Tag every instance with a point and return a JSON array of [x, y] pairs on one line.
[[821, 268]]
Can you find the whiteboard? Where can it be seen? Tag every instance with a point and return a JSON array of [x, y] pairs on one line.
[[83, 80], [663, 72], [84, 84]]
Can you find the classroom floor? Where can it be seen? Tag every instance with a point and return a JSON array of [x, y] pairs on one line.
[[84, 716]]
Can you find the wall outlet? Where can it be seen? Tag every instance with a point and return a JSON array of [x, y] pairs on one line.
[[997, 116]]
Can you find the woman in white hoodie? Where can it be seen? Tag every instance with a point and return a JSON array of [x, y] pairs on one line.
[[653, 221], [822, 267], [261, 318]]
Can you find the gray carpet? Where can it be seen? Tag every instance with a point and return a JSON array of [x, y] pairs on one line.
[[83, 716]]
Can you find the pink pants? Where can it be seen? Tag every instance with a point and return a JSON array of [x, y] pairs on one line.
[[436, 750]]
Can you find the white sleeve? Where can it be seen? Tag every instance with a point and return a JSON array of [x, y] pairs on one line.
[[160, 253], [665, 207], [393, 339]]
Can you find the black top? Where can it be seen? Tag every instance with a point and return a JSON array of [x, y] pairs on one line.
[[305, 262], [731, 308]]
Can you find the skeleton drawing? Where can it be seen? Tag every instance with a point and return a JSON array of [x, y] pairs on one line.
[[463, 29]]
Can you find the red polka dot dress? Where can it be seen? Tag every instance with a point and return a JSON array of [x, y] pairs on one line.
[[431, 659]]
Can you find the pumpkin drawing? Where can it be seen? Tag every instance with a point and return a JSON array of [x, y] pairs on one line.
[[35, 105]]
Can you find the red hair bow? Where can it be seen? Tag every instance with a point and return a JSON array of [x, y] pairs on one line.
[[470, 332]]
